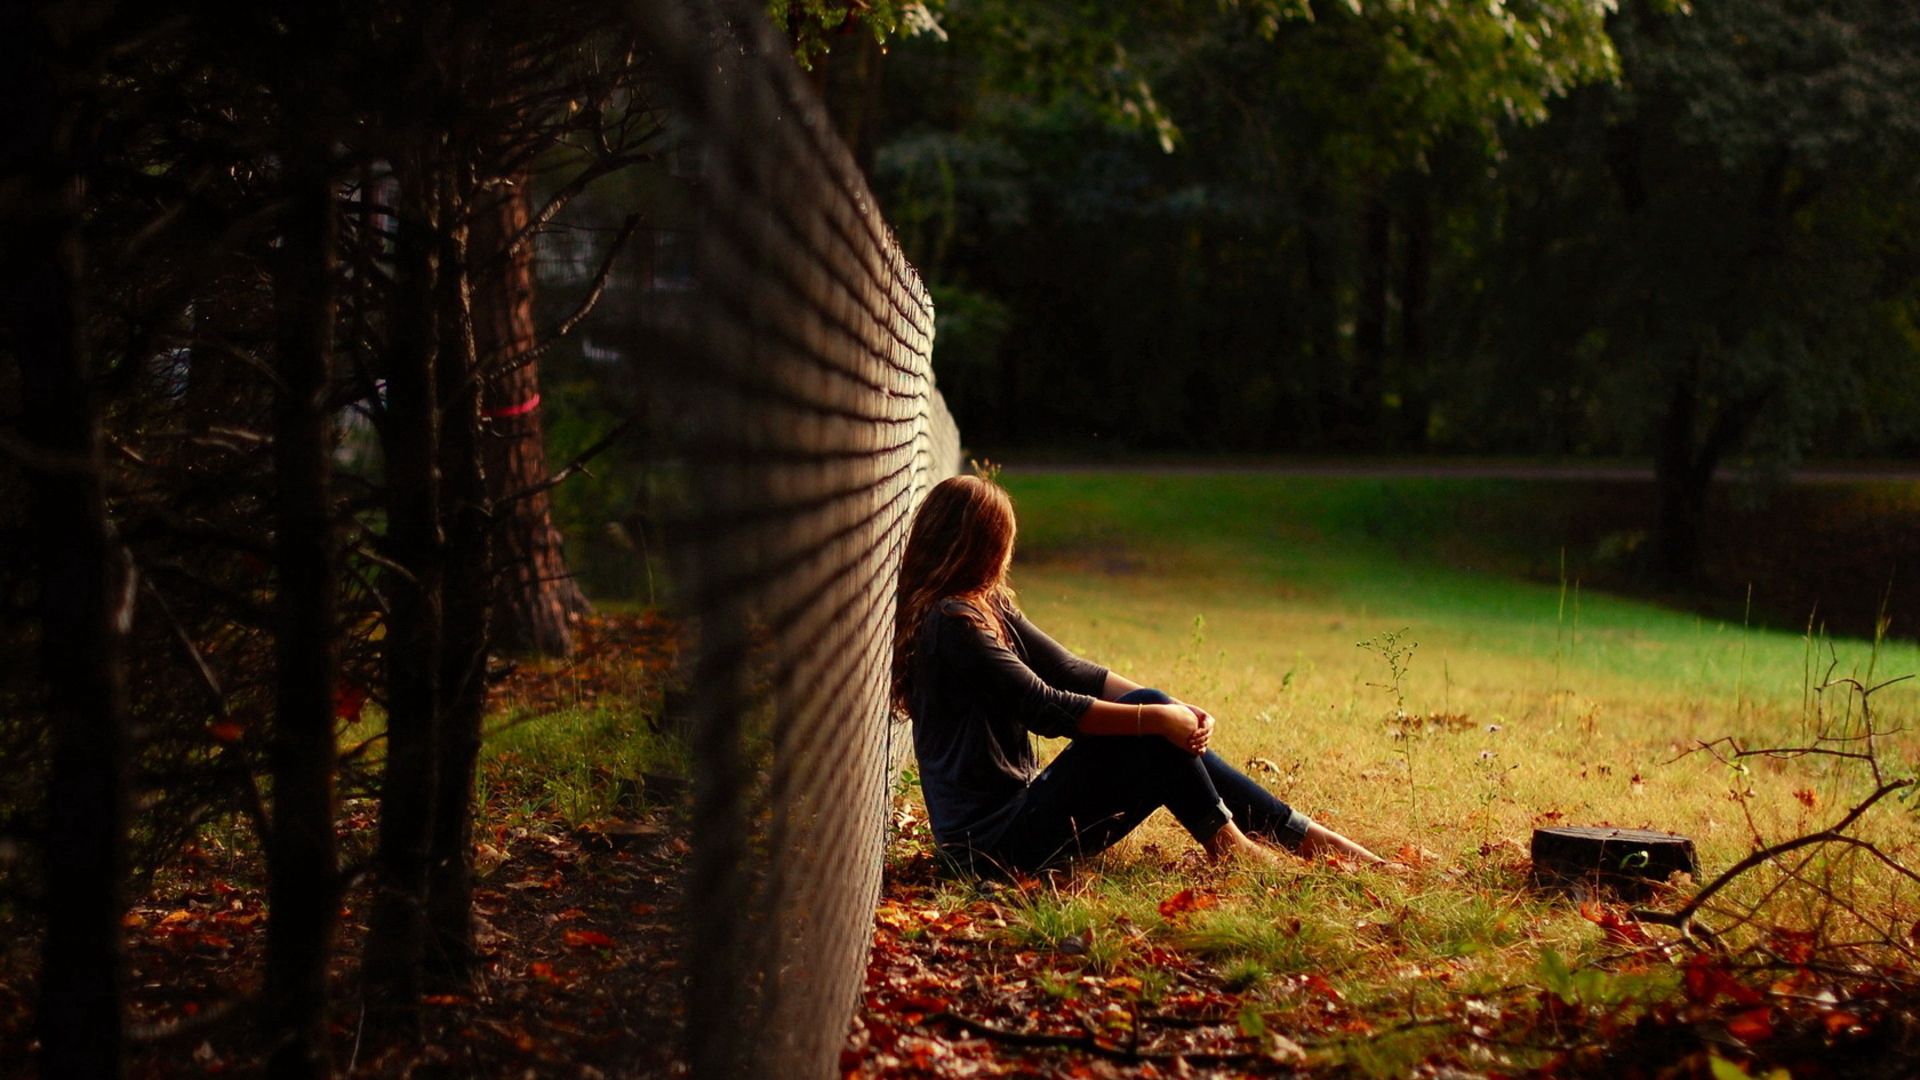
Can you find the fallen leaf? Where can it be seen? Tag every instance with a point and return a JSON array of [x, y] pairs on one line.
[[1840, 1022], [348, 699], [1752, 1025], [587, 939], [1415, 855], [1185, 902], [226, 731], [1617, 928], [1285, 1051]]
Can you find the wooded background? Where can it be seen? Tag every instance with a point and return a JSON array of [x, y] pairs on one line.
[[300, 299]]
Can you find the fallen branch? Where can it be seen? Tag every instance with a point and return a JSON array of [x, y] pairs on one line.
[[1832, 834]]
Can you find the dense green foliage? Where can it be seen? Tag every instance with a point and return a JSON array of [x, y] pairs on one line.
[[1533, 228]]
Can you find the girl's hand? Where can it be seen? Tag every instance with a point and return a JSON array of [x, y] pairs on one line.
[[1204, 734], [1182, 726]]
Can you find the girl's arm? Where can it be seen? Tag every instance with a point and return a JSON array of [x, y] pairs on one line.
[[1195, 738], [1182, 725], [1177, 724], [1118, 686]]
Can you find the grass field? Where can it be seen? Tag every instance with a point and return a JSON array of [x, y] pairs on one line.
[[1521, 703]]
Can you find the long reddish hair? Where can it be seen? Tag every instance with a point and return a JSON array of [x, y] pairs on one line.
[[959, 547]]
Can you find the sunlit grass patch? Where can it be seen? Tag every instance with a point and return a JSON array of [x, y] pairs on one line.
[[1519, 704], [584, 763]]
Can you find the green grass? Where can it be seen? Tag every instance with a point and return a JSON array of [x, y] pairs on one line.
[[580, 762], [1248, 594]]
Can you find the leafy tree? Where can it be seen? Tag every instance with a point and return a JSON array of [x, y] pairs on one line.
[[1317, 154], [1718, 260]]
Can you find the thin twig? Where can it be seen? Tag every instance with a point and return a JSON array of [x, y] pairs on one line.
[[501, 361], [578, 464]]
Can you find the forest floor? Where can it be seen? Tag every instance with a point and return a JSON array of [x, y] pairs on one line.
[[1489, 693]]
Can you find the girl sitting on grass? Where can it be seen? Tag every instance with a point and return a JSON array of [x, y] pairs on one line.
[[976, 677]]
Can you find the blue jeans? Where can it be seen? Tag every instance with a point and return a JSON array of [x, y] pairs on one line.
[[1101, 786]]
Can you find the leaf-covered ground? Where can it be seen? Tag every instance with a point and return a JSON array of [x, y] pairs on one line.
[[577, 975], [962, 982], [578, 887]]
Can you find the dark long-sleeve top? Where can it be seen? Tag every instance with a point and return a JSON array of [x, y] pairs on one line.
[[974, 702]]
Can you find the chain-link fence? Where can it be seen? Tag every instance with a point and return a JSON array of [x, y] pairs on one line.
[[794, 375]]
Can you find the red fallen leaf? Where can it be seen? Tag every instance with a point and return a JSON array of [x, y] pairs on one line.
[[1752, 1025], [922, 1003], [1840, 1022], [215, 941], [569, 915], [1626, 931], [1707, 978], [587, 939], [1699, 980], [642, 910], [348, 699], [443, 999], [546, 972], [1794, 946], [953, 920], [226, 731], [1318, 983], [1185, 902], [1416, 856]]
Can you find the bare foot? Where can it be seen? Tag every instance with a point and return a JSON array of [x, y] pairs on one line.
[[1229, 844], [1321, 840]]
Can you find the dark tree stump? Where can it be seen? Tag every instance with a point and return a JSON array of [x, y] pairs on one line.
[[1625, 860]]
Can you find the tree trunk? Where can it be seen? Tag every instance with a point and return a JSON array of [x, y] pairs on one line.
[[535, 598], [464, 646], [1681, 501], [1686, 461], [303, 887], [1327, 411], [86, 585], [396, 924], [852, 81], [1416, 379], [1370, 320]]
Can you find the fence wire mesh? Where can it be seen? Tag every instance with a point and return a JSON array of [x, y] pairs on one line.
[[795, 382]]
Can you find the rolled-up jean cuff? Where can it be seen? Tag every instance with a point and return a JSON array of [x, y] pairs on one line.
[[1208, 823], [1293, 831]]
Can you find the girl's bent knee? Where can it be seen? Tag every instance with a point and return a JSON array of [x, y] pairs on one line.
[[1146, 695]]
